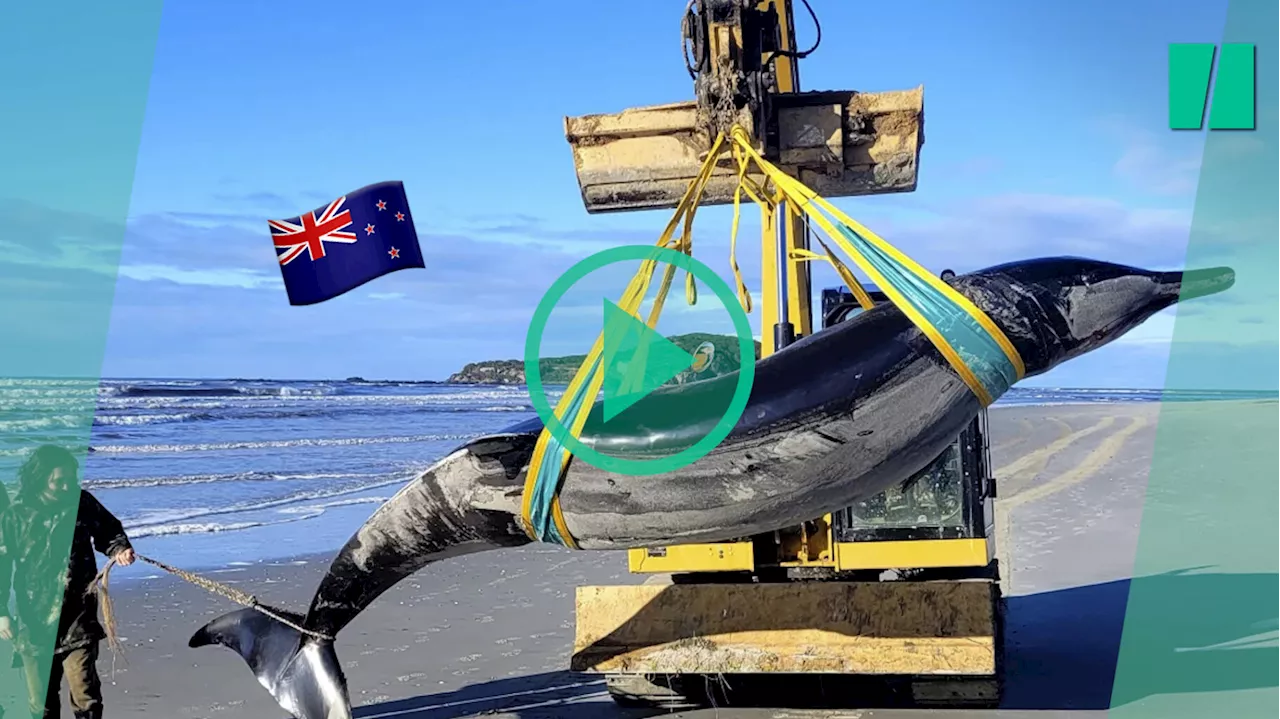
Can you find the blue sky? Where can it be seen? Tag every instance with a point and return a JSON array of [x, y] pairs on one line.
[[1045, 124]]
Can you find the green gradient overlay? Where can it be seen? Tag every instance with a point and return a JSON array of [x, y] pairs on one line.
[[1199, 635], [76, 76]]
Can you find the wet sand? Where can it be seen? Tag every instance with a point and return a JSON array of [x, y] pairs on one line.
[[490, 634]]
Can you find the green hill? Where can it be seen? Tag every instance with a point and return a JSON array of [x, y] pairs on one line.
[[559, 370]]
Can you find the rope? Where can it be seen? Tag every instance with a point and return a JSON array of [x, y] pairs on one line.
[[99, 586]]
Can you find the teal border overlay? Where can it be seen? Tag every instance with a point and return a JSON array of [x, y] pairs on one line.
[[76, 77], [1200, 629]]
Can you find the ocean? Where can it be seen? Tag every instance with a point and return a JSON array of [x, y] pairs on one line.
[[215, 473]]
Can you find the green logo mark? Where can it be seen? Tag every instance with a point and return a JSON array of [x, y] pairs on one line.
[[1190, 71], [636, 360]]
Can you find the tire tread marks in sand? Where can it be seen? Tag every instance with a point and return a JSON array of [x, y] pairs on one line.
[[1089, 466]]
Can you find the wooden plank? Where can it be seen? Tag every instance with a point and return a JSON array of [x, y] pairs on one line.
[[900, 628]]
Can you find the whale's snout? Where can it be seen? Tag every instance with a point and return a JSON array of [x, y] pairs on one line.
[[1082, 304], [1188, 285]]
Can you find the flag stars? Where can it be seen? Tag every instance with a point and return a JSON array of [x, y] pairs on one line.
[[368, 229], [395, 253], [382, 205], [399, 217]]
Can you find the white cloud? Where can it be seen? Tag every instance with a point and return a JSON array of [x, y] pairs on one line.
[[1169, 163], [1157, 164], [1238, 144], [225, 277], [707, 302], [481, 292], [1156, 331], [65, 253], [1155, 169], [979, 233]]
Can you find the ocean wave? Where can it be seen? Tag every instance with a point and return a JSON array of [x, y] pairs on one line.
[[293, 514], [47, 382], [219, 412], [317, 406], [65, 421], [194, 528], [272, 444], [161, 530], [273, 399], [40, 402], [1045, 403], [266, 388], [129, 420], [200, 390], [186, 479], [339, 497], [311, 508]]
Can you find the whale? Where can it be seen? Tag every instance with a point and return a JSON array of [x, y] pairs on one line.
[[834, 418]]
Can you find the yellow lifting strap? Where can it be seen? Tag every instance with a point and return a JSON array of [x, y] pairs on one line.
[[541, 515], [972, 344], [975, 347]]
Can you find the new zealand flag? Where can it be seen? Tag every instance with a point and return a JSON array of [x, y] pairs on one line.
[[356, 238]]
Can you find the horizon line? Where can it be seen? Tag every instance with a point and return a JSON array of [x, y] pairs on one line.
[[469, 384]]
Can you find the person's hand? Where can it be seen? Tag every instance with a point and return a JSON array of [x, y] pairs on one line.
[[6, 629], [125, 557]]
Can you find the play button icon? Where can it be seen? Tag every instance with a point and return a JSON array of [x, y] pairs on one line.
[[629, 361], [636, 360]]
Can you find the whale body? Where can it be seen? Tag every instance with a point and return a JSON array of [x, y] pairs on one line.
[[832, 419]]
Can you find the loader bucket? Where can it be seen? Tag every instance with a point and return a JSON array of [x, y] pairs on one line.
[[840, 144]]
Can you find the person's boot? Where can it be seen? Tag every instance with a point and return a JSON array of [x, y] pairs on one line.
[[94, 713]]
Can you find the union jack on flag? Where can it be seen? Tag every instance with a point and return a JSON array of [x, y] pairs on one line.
[[312, 232], [358, 237]]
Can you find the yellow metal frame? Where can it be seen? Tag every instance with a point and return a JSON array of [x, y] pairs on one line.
[[718, 557], [644, 158], [812, 545], [848, 556], [726, 557], [799, 304]]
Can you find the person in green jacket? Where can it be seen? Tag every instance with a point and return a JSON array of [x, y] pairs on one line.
[[57, 629]]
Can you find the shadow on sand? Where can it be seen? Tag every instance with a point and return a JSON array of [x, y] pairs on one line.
[[1061, 654], [565, 695], [1063, 646]]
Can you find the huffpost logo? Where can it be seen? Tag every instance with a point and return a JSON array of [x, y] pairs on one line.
[[1192, 77]]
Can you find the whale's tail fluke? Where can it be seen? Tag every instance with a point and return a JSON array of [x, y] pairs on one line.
[[303, 674]]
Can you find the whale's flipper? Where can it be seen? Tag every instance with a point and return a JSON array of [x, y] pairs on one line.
[[303, 674]]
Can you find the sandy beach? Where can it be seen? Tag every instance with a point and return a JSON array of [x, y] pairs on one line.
[[490, 634]]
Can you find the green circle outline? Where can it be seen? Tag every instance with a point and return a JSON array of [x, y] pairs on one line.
[[741, 392]]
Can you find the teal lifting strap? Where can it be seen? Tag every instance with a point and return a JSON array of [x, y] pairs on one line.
[[977, 348], [546, 481]]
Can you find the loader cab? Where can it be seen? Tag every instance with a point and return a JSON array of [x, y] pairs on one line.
[[949, 499]]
